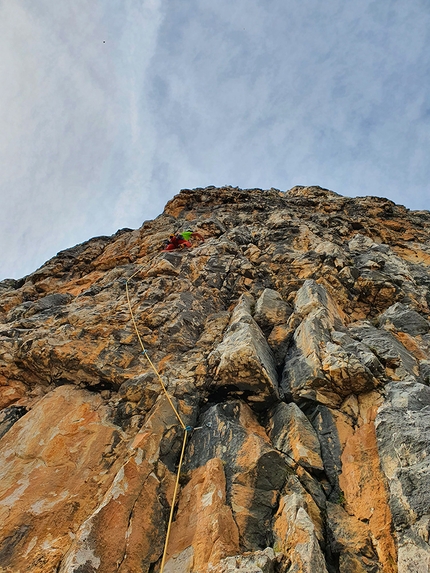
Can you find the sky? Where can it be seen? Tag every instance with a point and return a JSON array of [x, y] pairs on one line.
[[109, 107]]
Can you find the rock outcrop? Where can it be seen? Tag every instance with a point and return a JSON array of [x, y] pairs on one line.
[[294, 344]]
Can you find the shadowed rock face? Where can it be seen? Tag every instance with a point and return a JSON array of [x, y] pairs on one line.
[[295, 340]]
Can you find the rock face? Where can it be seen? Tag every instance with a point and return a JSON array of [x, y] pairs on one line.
[[294, 343]]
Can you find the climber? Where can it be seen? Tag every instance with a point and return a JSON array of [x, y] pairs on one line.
[[182, 240], [176, 242], [189, 234]]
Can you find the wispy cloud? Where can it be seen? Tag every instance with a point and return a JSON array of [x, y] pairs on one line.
[[108, 109], [299, 92], [75, 135]]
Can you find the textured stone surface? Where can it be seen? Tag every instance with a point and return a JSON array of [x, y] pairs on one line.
[[295, 340], [351, 540], [292, 433], [405, 319], [362, 482], [244, 362], [403, 431], [296, 536], [318, 366], [8, 417], [391, 353], [271, 310], [255, 471], [256, 562], [56, 463], [207, 533], [125, 530], [331, 448]]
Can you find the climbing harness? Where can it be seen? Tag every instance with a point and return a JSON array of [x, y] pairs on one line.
[[187, 429]]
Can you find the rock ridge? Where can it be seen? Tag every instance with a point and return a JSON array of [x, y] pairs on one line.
[[294, 341]]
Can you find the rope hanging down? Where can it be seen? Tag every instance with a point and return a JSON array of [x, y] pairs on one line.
[[186, 429]]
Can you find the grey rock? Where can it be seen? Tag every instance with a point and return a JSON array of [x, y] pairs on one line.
[[294, 487], [330, 249], [240, 235], [379, 263], [224, 430], [7, 285], [135, 389], [20, 311], [425, 371], [360, 243], [50, 302], [312, 296], [403, 433], [351, 540], [348, 276], [271, 310], [303, 375], [326, 365], [421, 278], [298, 377], [292, 433], [413, 554], [404, 319], [253, 478], [8, 417], [244, 361], [362, 352], [181, 563], [390, 352], [212, 226], [313, 486], [346, 371], [331, 450], [256, 562], [323, 363]]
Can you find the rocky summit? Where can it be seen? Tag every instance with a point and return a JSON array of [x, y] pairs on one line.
[[293, 344]]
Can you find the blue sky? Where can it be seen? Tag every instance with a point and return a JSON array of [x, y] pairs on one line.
[[108, 108]]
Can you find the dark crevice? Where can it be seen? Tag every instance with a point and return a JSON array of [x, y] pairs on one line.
[[130, 518], [280, 369], [10, 544], [331, 557], [170, 448], [221, 394], [99, 386], [8, 417]]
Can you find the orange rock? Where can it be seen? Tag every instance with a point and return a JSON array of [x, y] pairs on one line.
[[352, 541], [10, 391], [90, 444], [53, 472], [127, 528], [204, 529], [363, 483], [291, 433], [296, 536], [411, 344]]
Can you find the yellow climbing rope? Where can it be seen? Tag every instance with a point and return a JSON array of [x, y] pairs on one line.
[[184, 427]]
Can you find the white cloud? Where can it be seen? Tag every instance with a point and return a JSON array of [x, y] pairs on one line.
[[71, 127], [298, 92], [96, 136]]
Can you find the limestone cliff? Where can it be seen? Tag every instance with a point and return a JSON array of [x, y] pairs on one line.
[[294, 341]]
